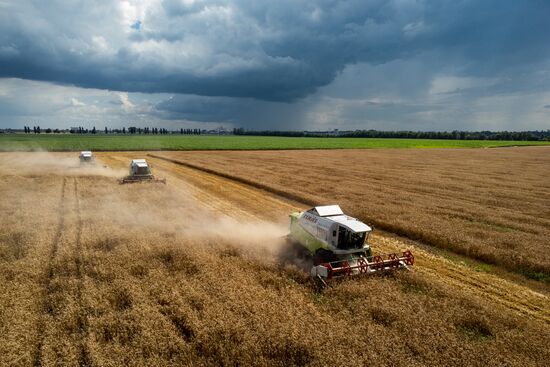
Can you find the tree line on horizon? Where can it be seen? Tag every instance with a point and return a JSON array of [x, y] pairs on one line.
[[533, 135], [446, 135], [131, 130]]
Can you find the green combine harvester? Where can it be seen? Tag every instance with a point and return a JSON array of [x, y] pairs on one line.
[[338, 244]]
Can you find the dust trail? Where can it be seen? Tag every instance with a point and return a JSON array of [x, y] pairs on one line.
[[45, 163], [157, 208], [175, 211]]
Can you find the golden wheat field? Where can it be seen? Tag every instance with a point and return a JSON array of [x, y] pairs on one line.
[[488, 204], [196, 272]]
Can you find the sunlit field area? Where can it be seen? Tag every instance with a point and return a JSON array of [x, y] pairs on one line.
[[492, 205]]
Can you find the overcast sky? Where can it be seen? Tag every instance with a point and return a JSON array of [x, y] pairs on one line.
[[387, 65]]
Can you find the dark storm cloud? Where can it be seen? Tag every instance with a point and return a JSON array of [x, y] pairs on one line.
[[277, 51], [245, 112]]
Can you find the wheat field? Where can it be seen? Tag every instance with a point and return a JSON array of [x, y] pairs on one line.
[[489, 204], [196, 272]]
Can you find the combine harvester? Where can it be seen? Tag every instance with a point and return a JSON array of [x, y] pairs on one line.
[[86, 158], [140, 172], [338, 244]]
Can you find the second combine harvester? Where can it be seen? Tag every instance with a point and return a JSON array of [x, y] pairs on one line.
[[338, 244], [140, 172]]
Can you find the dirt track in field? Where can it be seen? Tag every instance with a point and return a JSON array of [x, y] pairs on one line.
[[241, 201]]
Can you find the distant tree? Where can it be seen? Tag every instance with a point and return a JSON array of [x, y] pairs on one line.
[[48, 131], [93, 130], [38, 129], [124, 130], [106, 131]]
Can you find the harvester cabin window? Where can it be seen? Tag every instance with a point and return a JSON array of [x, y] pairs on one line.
[[348, 240], [143, 170]]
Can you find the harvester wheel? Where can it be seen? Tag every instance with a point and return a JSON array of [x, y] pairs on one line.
[[394, 260], [346, 268], [363, 265], [323, 256], [378, 263], [409, 258]]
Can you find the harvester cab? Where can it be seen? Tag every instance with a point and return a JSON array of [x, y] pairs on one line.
[[338, 244], [140, 171], [86, 157]]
